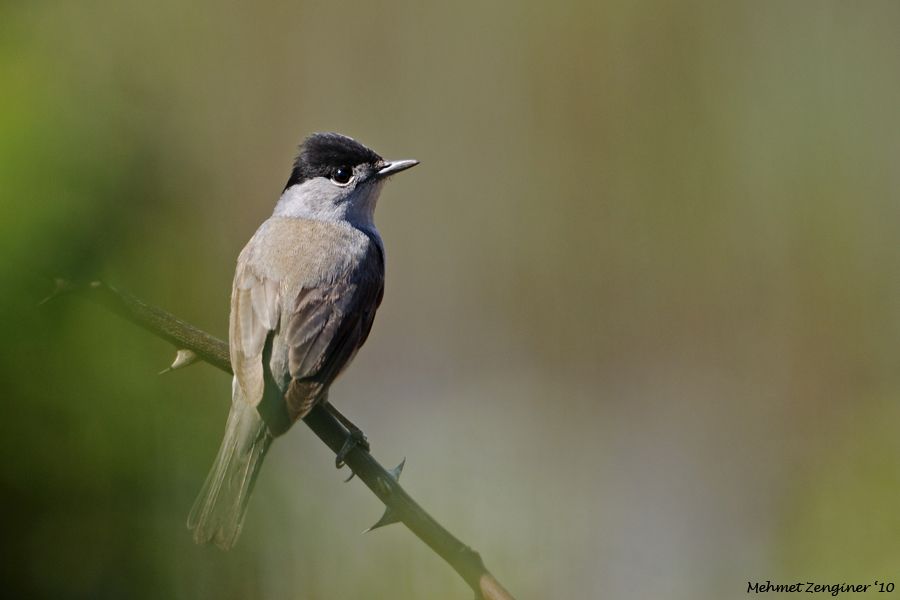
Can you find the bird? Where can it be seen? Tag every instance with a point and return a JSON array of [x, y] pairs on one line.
[[305, 292]]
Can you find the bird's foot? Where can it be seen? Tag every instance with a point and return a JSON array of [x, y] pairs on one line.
[[355, 439]]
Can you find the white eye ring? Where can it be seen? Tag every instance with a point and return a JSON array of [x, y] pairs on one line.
[[343, 175]]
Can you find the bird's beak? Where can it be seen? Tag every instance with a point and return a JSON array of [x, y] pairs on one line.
[[394, 166]]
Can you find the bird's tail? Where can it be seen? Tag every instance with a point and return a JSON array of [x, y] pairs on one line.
[[218, 512]]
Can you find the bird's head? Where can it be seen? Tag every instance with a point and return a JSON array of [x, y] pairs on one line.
[[335, 178]]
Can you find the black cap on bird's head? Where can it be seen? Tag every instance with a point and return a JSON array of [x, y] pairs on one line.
[[331, 154]]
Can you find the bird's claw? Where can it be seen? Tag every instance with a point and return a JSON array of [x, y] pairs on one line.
[[355, 439]]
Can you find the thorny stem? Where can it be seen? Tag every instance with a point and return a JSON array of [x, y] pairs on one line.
[[399, 505]]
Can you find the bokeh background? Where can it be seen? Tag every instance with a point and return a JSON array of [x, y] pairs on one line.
[[641, 326]]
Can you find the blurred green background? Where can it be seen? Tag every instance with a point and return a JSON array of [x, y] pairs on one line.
[[640, 333]]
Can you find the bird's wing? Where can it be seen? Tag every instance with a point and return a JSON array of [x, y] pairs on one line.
[[329, 323], [255, 312]]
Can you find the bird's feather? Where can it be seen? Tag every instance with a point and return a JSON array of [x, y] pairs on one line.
[[255, 311], [218, 513], [326, 328], [303, 300], [319, 298]]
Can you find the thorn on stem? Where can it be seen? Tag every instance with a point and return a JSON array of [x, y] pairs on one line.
[[390, 516], [395, 472], [60, 287], [183, 358]]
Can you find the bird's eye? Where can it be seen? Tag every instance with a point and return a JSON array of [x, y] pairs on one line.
[[343, 175]]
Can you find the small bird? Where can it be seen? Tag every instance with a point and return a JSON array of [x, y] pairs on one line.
[[304, 297]]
